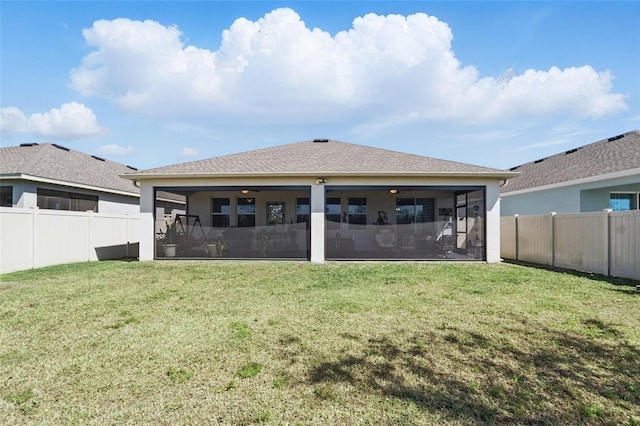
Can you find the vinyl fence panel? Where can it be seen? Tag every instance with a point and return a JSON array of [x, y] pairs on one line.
[[508, 237], [581, 242], [16, 239], [112, 237], [32, 238], [535, 239], [624, 229], [603, 242], [61, 237]]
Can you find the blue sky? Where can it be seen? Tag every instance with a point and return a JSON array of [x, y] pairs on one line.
[[151, 83]]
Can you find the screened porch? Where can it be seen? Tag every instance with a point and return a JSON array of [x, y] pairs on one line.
[[359, 223]]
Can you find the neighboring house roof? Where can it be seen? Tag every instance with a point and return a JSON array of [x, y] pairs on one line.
[[320, 157], [606, 158], [57, 164]]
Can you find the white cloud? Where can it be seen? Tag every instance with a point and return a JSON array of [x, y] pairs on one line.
[[71, 121], [189, 152], [545, 144], [385, 71], [114, 149]]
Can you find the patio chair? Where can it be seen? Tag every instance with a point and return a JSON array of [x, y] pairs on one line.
[[385, 238], [447, 244]]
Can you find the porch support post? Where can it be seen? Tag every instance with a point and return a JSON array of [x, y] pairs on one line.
[[317, 224], [492, 242], [147, 226]]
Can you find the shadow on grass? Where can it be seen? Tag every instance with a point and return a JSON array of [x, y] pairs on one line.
[[626, 285], [559, 378]]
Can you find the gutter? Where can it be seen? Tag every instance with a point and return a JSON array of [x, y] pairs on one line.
[[30, 178], [148, 176]]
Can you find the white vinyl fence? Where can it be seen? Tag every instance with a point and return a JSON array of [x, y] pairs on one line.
[[32, 238], [604, 242]]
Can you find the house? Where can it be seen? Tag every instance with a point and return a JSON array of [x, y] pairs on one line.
[[51, 176], [323, 199], [593, 177]]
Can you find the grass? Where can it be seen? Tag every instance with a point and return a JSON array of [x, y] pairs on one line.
[[296, 343]]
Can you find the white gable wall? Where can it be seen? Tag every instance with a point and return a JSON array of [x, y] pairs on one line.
[[24, 194]]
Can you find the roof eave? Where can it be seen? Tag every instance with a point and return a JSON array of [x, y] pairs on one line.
[[574, 182], [149, 176], [20, 176]]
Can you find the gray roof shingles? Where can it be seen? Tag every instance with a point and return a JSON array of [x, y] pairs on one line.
[[321, 158], [615, 154], [50, 161]]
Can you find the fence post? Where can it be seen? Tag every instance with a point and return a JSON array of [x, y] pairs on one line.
[[126, 230], [553, 238], [89, 234], [34, 236], [516, 234], [607, 241]]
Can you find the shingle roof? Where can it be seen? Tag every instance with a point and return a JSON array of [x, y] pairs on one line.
[[321, 157], [615, 154], [51, 161]]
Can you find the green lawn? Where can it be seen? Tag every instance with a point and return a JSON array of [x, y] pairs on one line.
[[297, 343]]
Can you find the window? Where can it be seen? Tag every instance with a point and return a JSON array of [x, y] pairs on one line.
[[619, 201], [405, 211], [275, 213], [6, 196], [357, 212], [303, 211], [220, 212], [425, 210], [333, 212], [62, 200], [246, 212], [414, 210]]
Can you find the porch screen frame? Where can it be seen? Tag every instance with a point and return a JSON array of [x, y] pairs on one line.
[[482, 215], [455, 190], [186, 191]]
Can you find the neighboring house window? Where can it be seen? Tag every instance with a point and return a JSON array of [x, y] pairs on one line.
[[623, 201], [220, 212], [62, 200], [6, 196], [414, 210], [333, 209], [246, 212], [357, 212], [303, 211]]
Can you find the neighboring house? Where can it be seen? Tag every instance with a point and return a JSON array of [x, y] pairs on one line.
[[50, 176], [601, 175], [324, 199]]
